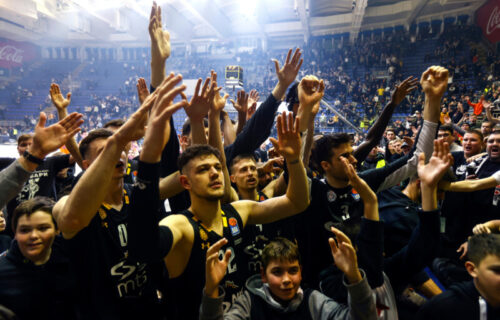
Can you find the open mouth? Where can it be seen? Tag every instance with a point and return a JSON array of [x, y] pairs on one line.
[[252, 180]]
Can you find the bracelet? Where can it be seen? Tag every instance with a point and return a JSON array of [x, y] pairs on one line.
[[32, 158], [294, 161]]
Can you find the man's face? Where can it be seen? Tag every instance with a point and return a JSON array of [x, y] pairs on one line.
[[95, 149], [23, 146], [390, 135], [493, 147], [204, 177], [487, 277], [472, 144], [244, 174], [264, 178], [334, 168], [485, 128], [283, 278], [35, 235], [397, 146], [446, 136]]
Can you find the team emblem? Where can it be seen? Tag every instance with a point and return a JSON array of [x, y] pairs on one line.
[[331, 196], [102, 214], [233, 226]]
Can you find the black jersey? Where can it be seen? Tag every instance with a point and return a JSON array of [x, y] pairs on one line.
[[110, 287], [184, 293]]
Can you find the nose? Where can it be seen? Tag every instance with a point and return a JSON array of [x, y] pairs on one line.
[[286, 278], [352, 160], [34, 234]]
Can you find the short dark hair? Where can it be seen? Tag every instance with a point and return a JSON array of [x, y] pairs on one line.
[[476, 132], [240, 157], [186, 127], [292, 97], [114, 123], [30, 206], [24, 137], [196, 151], [100, 133], [446, 127], [323, 148], [280, 249], [482, 245]]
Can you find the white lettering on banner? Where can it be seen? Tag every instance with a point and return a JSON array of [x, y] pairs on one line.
[[11, 53], [493, 21]]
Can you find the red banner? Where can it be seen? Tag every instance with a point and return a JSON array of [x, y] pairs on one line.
[[16, 54], [488, 18]]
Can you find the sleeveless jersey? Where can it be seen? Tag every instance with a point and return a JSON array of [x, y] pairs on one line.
[[183, 298]]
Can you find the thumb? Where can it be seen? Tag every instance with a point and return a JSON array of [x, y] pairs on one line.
[[421, 159], [227, 256], [41, 120], [276, 65], [274, 142], [68, 96], [232, 101]]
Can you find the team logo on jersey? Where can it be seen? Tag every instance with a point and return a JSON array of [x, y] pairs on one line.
[[355, 195], [231, 284], [262, 198], [203, 235], [331, 196], [233, 226], [102, 214]]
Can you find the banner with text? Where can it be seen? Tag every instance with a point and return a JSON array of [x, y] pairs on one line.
[[15, 54], [488, 18]]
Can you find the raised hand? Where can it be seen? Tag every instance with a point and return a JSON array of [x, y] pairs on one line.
[[242, 102], [251, 110], [215, 268], [199, 105], [254, 97], [160, 39], [430, 173], [142, 90], [288, 143], [344, 256], [311, 90], [49, 139], [158, 131], [481, 228], [360, 185], [405, 87], [463, 249], [288, 73], [434, 82], [57, 98], [218, 101]]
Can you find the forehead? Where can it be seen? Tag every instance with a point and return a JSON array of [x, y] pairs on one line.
[[26, 141], [37, 217], [469, 135], [244, 163], [342, 149], [494, 137], [490, 260], [282, 264], [208, 159]]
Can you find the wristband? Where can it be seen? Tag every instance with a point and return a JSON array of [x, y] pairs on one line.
[[28, 156], [496, 175]]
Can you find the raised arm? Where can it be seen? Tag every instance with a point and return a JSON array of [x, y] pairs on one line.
[[488, 106], [241, 105], [296, 198], [160, 46], [311, 90], [61, 105], [472, 185], [375, 133]]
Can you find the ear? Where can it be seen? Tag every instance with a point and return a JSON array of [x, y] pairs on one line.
[[325, 165], [185, 182], [231, 177], [471, 269], [263, 275], [85, 164]]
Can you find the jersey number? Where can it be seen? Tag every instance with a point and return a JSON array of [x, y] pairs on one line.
[[122, 234], [231, 266]]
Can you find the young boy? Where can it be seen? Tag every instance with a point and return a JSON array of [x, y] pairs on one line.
[[276, 292], [476, 299]]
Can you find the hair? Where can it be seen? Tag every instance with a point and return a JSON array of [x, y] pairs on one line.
[[280, 249], [292, 97], [240, 157], [196, 151], [23, 138], [323, 148], [477, 132], [446, 127], [186, 127], [482, 245], [114, 123], [30, 206], [93, 135]]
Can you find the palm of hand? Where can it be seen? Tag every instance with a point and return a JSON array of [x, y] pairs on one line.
[[344, 259], [198, 107], [288, 73], [59, 101], [289, 145], [50, 138], [431, 173], [162, 42], [218, 102]]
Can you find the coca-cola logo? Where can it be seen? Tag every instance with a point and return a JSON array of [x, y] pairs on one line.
[[11, 53], [493, 21]]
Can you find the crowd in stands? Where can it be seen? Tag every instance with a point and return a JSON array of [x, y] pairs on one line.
[[267, 215]]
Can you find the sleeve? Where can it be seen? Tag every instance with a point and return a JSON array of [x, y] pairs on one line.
[[425, 144], [418, 253], [255, 131], [361, 303], [211, 308], [458, 129], [370, 253], [147, 242], [12, 180]]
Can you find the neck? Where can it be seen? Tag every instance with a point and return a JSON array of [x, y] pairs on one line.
[[411, 191], [207, 211], [248, 194], [43, 260], [336, 183], [115, 194], [492, 301]]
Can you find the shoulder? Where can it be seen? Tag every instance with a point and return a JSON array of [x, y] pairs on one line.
[[178, 224]]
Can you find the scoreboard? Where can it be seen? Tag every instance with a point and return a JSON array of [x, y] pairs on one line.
[[234, 76]]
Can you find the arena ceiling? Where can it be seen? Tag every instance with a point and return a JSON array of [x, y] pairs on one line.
[[125, 21]]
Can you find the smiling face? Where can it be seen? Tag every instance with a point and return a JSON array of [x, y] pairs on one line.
[[35, 235], [493, 146], [283, 278], [203, 177], [244, 174]]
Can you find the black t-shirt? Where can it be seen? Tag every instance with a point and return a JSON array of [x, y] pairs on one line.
[[110, 286], [5, 162], [184, 293], [40, 183]]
